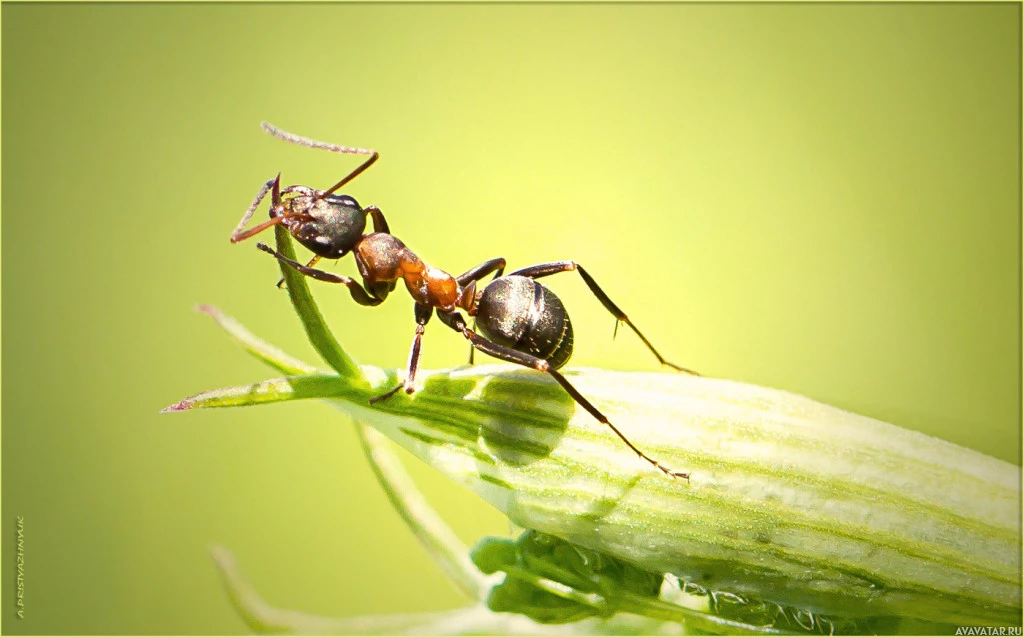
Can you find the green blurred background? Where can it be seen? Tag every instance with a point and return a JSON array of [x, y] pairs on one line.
[[819, 198]]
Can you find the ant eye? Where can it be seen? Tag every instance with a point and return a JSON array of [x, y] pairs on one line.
[[345, 200]]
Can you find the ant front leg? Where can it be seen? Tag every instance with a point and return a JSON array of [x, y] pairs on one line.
[[380, 224], [455, 321], [359, 295], [309, 265], [472, 276], [274, 184], [547, 269], [423, 314]]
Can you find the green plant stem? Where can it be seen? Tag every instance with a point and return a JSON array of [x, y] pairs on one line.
[[471, 620], [440, 542], [319, 334]]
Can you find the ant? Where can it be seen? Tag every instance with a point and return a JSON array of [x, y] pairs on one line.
[[520, 320], [328, 225]]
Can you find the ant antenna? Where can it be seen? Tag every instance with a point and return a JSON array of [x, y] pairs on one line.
[[334, 148]]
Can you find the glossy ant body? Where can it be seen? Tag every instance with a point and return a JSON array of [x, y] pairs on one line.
[[520, 320]]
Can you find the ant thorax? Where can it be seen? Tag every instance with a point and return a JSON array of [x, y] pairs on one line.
[[439, 289], [383, 257]]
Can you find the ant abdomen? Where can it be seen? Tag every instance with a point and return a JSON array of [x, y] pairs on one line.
[[520, 313]]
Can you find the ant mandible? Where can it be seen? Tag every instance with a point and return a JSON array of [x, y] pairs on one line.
[[521, 320]]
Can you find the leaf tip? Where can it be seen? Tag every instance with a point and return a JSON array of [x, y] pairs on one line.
[[183, 405], [221, 557]]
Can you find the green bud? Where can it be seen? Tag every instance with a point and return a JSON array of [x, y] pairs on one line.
[[789, 500]]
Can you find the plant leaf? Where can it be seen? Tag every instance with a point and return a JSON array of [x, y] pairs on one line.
[[319, 334], [791, 502], [269, 391], [256, 346]]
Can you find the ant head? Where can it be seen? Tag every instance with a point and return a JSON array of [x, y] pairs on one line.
[[331, 226]]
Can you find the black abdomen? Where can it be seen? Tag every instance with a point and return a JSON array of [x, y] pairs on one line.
[[520, 313]]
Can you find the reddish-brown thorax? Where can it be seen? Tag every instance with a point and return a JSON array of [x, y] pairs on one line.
[[382, 257]]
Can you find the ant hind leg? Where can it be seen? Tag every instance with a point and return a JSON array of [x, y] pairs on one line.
[[509, 355], [555, 267], [475, 274]]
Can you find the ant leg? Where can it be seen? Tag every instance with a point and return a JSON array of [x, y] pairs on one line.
[[275, 184], [423, 314], [475, 274], [547, 269], [456, 322], [379, 223], [359, 295], [312, 262], [334, 148]]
